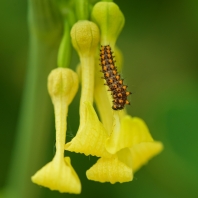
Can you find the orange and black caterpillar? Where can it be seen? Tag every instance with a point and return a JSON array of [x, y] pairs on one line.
[[113, 79]]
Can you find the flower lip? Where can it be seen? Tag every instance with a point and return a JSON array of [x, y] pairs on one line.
[[131, 131], [58, 175]]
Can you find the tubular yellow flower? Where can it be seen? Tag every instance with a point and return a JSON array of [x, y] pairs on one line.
[[112, 169], [129, 141], [131, 147], [91, 135], [59, 174], [110, 20], [134, 134]]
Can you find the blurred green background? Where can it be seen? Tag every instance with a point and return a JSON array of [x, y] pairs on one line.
[[160, 47]]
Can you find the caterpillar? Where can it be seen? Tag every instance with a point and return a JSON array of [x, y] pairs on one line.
[[113, 79]]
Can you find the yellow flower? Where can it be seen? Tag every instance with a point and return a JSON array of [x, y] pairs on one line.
[[123, 143], [130, 145], [130, 132], [129, 141], [134, 134], [59, 174], [91, 135]]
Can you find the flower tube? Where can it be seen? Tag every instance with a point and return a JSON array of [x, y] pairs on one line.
[[91, 136], [59, 174]]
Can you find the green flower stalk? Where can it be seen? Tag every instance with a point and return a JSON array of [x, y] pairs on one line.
[[59, 174], [82, 9]]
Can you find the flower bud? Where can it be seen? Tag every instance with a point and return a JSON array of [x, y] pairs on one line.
[[63, 81], [85, 37], [110, 20]]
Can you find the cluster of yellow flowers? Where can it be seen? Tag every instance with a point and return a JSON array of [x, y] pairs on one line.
[[122, 143]]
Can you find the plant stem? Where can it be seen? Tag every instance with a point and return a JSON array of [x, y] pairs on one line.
[[64, 53], [82, 9]]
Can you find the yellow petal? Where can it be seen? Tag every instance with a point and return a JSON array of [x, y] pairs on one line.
[[132, 132], [91, 137], [58, 175], [124, 155], [143, 152], [110, 170]]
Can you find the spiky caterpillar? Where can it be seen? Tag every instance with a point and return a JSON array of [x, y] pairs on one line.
[[113, 80]]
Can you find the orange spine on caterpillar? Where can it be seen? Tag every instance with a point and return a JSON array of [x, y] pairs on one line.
[[113, 79]]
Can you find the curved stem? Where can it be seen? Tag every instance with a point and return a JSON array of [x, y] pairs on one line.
[[82, 9], [64, 53]]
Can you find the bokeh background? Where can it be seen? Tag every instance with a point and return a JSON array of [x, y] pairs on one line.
[[160, 47]]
